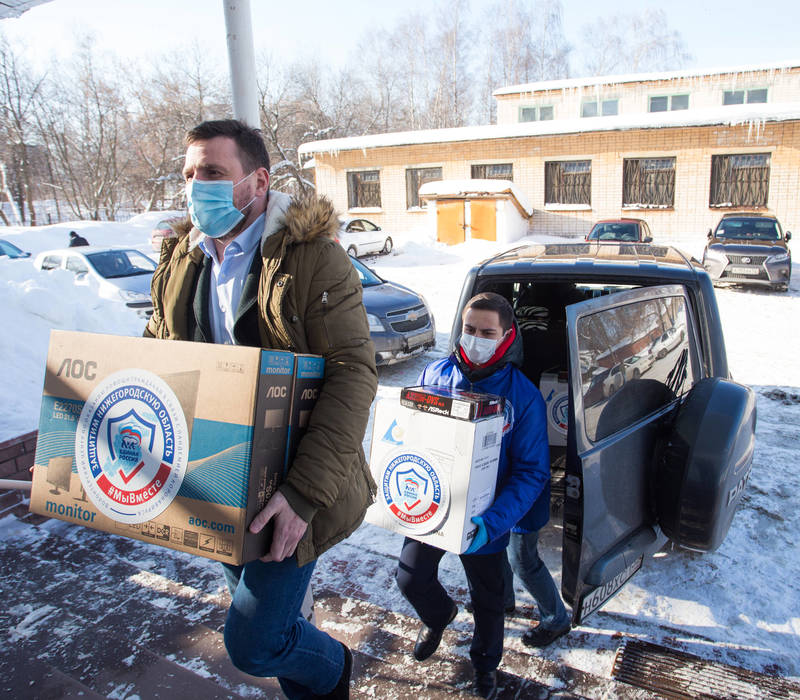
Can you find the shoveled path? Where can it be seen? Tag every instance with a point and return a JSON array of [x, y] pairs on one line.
[[92, 615]]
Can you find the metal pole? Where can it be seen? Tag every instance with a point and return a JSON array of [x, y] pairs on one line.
[[241, 60]]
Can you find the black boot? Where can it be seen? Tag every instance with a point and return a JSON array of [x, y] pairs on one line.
[[428, 639], [485, 684]]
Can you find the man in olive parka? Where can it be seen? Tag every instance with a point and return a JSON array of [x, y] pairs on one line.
[[259, 268]]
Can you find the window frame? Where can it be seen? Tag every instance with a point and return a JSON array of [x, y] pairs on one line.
[[722, 176], [600, 107], [537, 113], [570, 185], [648, 183], [412, 193], [669, 98], [746, 94], [353, 201], [473, 166]]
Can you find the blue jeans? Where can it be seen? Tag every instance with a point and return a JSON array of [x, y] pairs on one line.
[[523, 555], [266, 635]]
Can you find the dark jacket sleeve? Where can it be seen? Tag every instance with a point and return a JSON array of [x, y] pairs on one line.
[[529, 473], [329, 456]]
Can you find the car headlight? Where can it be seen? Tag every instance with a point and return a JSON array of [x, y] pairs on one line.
[[779, 258], [127, 295], [374, 323]]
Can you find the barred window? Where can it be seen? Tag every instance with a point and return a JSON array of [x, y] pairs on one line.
[[568, 182], [415, 178], [363, 189], [739, 180], [493, 171], [648, 182]]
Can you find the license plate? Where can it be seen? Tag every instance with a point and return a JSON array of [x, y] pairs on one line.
[[413, 340], [595, 598], [741, 270]]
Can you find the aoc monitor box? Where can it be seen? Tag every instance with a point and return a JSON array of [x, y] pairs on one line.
[[174, 443], [434, 473]]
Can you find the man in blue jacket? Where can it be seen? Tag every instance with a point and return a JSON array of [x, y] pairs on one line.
[[486, 360]]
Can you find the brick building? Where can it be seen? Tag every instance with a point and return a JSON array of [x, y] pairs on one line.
[[678, 149]]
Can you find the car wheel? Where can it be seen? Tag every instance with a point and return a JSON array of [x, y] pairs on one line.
[[352, 251], [387, 246], [636, 373], [661, 354]]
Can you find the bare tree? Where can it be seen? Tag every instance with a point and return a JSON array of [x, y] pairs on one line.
[[632, 43], [181, 90], [525, 43], [82, 124], [450, 103], [19, 94]]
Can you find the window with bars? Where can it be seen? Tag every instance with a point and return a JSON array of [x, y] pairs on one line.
[[668, 103], [740, 180], [740, 97], [568, 182], [415, 178], [363, 189], [493, 171], [648, 182]]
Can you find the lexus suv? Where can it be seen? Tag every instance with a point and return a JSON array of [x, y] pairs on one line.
[[749, 249], [650, 439]]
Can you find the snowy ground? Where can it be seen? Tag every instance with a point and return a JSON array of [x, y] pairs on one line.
[[738, 605]]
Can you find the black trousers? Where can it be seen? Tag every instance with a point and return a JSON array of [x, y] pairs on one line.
[[418, 580]]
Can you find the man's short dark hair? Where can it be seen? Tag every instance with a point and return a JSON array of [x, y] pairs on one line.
[[250, 144], [489, 301]]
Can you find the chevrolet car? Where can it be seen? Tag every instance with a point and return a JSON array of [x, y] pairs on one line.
[[401, 324]]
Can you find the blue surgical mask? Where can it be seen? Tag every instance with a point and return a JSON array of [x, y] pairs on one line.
[[211, 207]]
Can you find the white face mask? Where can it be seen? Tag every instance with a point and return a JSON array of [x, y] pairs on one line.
[[478, 350]]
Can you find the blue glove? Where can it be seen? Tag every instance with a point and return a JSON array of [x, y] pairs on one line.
[[481, 536]]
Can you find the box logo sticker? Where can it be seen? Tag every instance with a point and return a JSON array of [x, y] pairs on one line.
[[131, 446], [414, 493], [558, 413]]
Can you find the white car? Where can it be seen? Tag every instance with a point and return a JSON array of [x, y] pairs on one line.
[[361, 237], [119, 274]]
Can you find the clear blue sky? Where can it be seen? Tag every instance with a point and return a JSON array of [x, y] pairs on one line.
[[717, 32]]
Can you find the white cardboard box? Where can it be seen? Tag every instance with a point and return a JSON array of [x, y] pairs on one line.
[[434, 473], [555, 391]]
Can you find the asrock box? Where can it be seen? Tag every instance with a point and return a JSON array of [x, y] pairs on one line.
[[466, 405], [555, 391], [434, 473], [174, 443]]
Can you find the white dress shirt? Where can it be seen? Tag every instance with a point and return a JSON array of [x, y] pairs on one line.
[[227, 278]]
